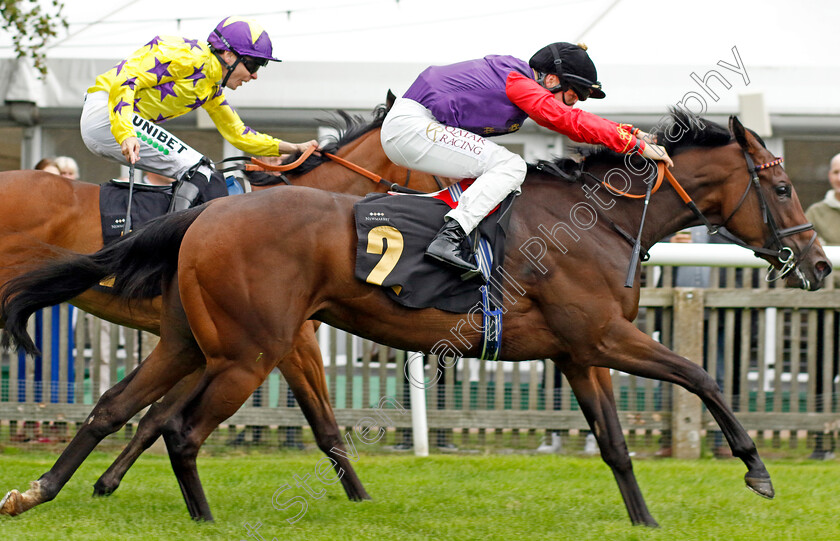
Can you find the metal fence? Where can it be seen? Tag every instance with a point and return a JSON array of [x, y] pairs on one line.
[[774, 352]]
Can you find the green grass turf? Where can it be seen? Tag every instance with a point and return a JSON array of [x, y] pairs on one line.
[[441, 497]]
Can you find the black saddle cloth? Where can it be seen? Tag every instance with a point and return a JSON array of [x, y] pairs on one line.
[[147, 202], [393, 233]]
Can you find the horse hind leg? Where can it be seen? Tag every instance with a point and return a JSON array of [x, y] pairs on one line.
[[145, 384], [303, 369], [217, 396], [148, 431], [593, 389]]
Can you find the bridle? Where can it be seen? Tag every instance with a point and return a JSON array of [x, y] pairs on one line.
[[774, 247]]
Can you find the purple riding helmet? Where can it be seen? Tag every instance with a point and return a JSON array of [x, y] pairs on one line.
[[244, 37]]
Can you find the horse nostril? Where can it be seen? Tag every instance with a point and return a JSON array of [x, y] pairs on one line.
[[823, 269]]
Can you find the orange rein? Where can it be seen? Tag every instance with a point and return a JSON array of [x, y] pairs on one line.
[[664, 172], [353, 167], [259, 165]]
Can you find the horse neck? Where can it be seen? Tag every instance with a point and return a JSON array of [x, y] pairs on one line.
[[708, 175], [696, 170], [366, 152]]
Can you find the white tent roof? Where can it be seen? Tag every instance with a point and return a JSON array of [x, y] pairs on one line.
[[347, 53]]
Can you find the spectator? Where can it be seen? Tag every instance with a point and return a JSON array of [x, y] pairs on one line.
[[825, 215], [67, 167], [48, 165]]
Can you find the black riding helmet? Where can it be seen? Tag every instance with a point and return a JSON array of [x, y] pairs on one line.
[[571, 63]]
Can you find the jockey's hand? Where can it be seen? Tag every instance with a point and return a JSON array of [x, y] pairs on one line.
[[656, 152], [303, 147], [131, 149], [291, 148], [646, 137]]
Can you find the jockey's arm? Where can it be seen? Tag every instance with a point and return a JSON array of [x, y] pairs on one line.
[[578, 125], [232, 128]]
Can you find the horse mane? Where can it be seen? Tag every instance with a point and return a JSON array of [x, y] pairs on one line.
[[348, 128], [682, 130], [693, 131]]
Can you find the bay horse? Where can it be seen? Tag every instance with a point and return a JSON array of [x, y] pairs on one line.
[[42, 214], [569, 304]]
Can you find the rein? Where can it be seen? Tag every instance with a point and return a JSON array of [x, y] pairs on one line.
[[392, 186], [259, 165], [364, 172]]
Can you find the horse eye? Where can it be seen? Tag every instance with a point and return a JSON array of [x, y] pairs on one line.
[[783, 190]]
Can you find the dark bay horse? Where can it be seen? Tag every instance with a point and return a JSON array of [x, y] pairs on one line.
[[43, 214], [566, 302]]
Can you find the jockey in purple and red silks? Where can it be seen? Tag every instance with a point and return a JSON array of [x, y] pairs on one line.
[[166, 78], [441, 123]]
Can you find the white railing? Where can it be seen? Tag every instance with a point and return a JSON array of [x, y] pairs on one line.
[[715, 255]]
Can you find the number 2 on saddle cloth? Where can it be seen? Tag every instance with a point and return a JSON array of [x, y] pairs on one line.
[[393, 231]]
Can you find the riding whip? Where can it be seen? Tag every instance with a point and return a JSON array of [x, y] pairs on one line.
[[127, 224], [637, 246]]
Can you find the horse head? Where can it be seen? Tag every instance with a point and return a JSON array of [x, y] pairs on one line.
[[760, 187]]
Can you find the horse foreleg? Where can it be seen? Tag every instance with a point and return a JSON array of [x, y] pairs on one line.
[[593, 389], [625, 348], [148, 431], [144, 385], [303, 369]]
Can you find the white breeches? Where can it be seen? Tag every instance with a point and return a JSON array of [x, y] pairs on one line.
[[412, 138], [160, 151]]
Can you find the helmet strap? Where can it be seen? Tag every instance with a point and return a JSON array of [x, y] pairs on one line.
[[558, 71], [558, 62], [229, 67], [562, 86]]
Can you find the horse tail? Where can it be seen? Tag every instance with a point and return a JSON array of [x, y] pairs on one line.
[[139, 264]]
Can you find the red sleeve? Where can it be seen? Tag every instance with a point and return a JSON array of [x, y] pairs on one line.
[[576, 124]]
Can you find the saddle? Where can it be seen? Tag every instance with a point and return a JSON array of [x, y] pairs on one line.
[[147, 202], [393, 231]]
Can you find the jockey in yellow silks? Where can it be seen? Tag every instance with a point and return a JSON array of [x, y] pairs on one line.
[[169, 77]]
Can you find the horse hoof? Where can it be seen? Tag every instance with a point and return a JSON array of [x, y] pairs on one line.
[[102, 490], [761, 486], [11, 504]]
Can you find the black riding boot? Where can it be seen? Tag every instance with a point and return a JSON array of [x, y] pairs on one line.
[[449, 245], [185, 194]]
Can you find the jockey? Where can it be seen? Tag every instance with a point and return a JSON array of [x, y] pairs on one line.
[[166, 78], [441, 124]]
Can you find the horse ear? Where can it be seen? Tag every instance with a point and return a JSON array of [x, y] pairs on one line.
[[390, 98], [741, 134]]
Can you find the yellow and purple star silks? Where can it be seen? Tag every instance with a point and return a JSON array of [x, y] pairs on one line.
[[171, 76]]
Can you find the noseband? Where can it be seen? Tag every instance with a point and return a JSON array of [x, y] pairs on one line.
[[774, 247]]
